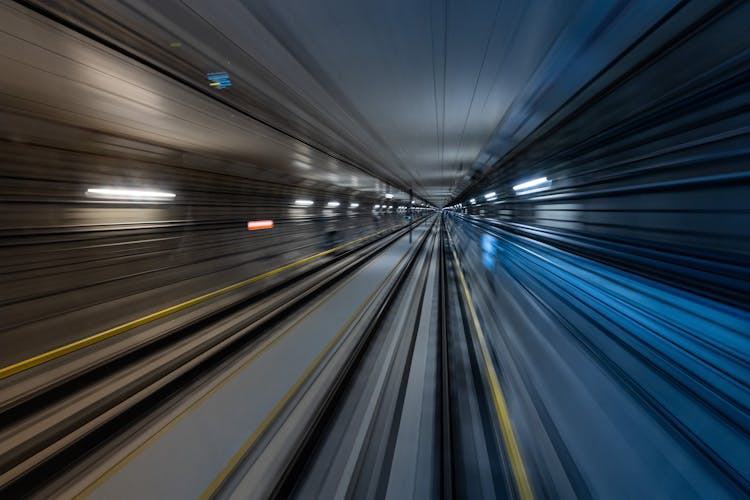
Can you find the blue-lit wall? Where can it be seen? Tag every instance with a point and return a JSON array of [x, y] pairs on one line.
[[617, 300], [649, 164]]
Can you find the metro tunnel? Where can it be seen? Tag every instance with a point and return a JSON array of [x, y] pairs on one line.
[[375, 249]]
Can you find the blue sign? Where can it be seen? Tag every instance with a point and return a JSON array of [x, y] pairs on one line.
[[219, 79]]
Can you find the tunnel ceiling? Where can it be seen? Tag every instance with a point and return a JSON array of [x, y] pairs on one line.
[[420, 94]]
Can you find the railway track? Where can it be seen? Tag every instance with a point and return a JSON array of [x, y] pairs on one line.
[[399, 400], [48, 424]]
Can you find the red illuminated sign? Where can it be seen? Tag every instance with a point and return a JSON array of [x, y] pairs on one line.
[[254, 225]]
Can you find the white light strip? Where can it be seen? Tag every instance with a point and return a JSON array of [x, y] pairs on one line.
[[530, 184], [489, 196], [388, 195], [529, 191], [473, 200], [333, 204], [304, 203], [130, 194], [353, 205], [376, 206]]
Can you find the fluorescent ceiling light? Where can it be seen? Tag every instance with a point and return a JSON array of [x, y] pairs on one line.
[[530, 184], [489, 196], [353, 205], [376, 206], [529, 191], [130, 194], [333, 204], [388, 195], [473, 200], [304, 203]]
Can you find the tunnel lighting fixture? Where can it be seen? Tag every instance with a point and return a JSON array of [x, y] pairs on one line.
[[254, 225], [473, 201], [388, 195], [353, 205], [490, 196], [333, 204], [530, 184], [376, 206], [535, 190], [130, 194], [303, 203]]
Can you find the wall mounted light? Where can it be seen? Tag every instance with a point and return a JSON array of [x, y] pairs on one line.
[[532, 186], [130, 194]]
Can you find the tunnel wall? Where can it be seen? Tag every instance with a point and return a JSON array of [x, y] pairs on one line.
[[63, 253], [649, 162]]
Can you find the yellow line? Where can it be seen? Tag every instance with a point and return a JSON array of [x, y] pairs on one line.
[[90, 488], [501, 407], [227, 470], [96, 338], [219, 480], [262, 348]]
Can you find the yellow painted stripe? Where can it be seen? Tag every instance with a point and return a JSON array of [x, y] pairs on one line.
[[88, 490], [501, 407], [263, 348], [227, 470], [219, 480], [112, 332]]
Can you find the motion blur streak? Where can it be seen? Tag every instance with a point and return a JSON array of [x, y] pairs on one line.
[[681, 356], [618, 295], [389, 249]]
